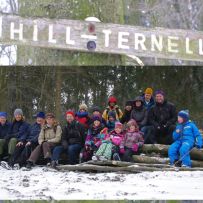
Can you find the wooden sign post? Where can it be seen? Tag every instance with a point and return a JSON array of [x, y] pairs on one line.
[[102, 38]]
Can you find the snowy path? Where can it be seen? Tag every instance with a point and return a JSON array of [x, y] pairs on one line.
[[40, 183]]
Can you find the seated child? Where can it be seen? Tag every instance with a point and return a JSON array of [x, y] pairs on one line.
[[110, 124], [110, 145], [132, 141], [94, 138], [186, 136]]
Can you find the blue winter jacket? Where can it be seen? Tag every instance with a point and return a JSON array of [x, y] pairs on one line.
[[4, 129], [19, 130], [33, 133], [188, 133]]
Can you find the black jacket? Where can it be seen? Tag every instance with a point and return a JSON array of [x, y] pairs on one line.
[[73, 133], [163, 114], [126, 116], [4, 129]]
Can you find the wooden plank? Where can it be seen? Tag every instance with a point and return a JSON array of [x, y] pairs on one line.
[[108, 38]]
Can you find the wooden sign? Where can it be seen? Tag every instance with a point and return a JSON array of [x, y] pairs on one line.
[[102, 38]]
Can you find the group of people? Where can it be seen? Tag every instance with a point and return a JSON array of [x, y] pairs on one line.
[[103, 135]]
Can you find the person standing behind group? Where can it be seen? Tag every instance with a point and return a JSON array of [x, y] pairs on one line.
[[18, 132], [24, 148], [112, 106], [72, 141], [148, 98], [4, 129], [49, 137], [82, 116], [127, 112], [162, 117]]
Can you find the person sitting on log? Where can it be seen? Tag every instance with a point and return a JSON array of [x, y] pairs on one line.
[[23, 151], [132, 141], [72, 141], [127, 112], [82, 116], [112, 106], [186, 136], [16, 137], [162, 117], [49, 137], [148, 98], [5, 126], [93, 139], [110, 124], [109, 148], [96, 111]]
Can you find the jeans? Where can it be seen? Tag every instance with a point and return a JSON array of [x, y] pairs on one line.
[[72, 151], [148, 135]]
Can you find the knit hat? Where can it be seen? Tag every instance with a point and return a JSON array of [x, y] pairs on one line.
[[3, 114], [149, 90], [160, 92], [70, 112], [184, 114], [40, 114], [50, 115], [97, 118], [83, 106], [139, 98], [118, 125], [132, 122], [18, 112], [112, 114], [112, 99], [128, 103], [96, 108]]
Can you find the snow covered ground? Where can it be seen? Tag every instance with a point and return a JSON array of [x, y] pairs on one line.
[[46, 184]]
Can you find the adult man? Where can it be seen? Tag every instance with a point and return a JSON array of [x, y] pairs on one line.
[[148, 98], [163, 118]]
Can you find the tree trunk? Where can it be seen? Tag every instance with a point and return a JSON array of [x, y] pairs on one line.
[[163, 150]]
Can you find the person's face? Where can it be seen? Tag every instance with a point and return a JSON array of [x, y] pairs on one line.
[[111, 119], [2, 120], [50, 121], [96, 113], [118, 130], [180, 120], [159, 98], [147, 97], [132, 128], [112, 104], [96, 123], [69, 118], [40, 121], [138, 103], [128, 108], [82, 110], [18, 117]]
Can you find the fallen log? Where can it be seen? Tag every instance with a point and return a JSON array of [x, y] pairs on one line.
[[132, 169], [124, 164], [159, 160], [195, 154]]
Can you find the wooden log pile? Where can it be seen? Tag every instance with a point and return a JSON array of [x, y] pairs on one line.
[[153, 158]]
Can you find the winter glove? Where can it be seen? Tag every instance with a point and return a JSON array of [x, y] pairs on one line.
[[135, 147], [122, 151]]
